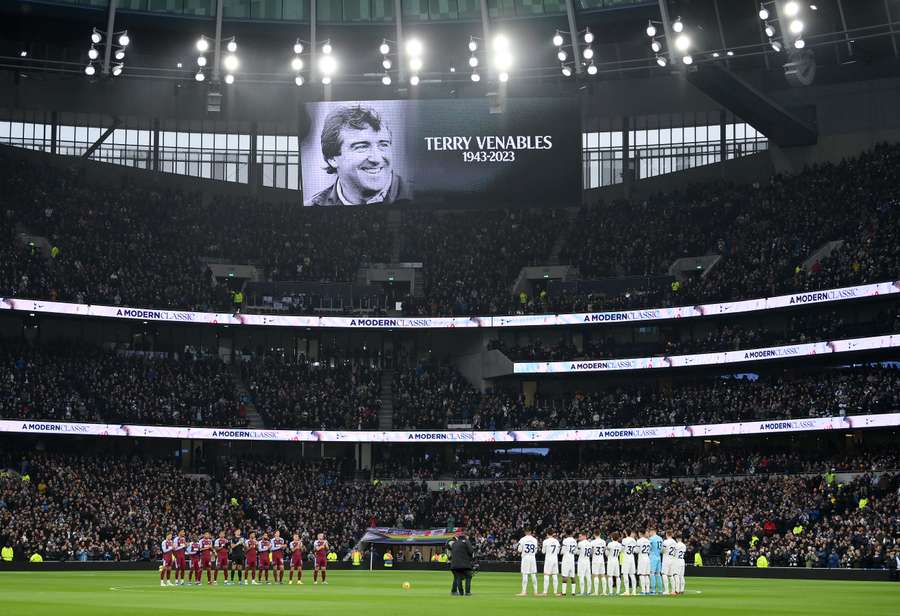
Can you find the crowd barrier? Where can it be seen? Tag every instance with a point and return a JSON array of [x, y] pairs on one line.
[[810, 349], [855, 422], [536, 320]]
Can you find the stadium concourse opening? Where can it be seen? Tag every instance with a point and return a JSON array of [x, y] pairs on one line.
[[433, 307]]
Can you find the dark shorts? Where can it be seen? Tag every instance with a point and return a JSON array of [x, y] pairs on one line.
[[236, 558]]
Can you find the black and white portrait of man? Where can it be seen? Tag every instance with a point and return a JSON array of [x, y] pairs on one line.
[[358, 150]]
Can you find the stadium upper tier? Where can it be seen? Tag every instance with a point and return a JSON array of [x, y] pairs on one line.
[[130, 245], [116, 507]]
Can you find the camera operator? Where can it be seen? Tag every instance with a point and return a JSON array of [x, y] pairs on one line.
[[462, 564]]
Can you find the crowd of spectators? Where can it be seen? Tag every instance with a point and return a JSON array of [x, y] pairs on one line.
[[631, 461], [763, 233], [65, 383], [333, 395], [316, 498], [68, 383], [122, 243], [118, 508], [127, 244], [100, 507], [827, 393], [472, 259], [431, 396], [821, 325], [785, 517]]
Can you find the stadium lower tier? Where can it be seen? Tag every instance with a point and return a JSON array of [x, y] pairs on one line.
[[119, 505]]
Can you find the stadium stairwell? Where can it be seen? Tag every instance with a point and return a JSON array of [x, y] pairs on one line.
[[559, 243], [386, 412], [254, 419], [393, 227]]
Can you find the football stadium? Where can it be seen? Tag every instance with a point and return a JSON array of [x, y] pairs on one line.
[[449, 307]]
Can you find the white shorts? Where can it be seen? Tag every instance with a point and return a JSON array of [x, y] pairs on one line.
[[628, 565], [598, 567], [551, 566], [668, 567], [529, 565], [584, 567], [612, 568], [679, 567], [568, 568], [643, 565]]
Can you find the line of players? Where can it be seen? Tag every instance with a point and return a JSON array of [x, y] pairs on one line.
[[607, 566], [247, 559]]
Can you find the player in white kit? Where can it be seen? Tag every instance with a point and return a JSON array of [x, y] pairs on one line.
[[678, 567], [643, 563], [527, 547], [585, 551], [550, 549], [668, 561], [569, 549], [613, 570], [629, 545], [598, 565]]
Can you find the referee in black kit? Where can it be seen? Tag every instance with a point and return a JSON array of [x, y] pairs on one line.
[[462, 563]]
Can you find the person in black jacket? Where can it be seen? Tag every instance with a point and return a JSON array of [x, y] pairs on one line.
[[462, 563]]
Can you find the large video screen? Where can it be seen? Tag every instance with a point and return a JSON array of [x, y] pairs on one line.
[[435, 151]]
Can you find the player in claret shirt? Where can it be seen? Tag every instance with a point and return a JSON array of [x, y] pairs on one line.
[[206, 557], [252, 544], [168, 548], [296, 547], [193, 553], [220, 545], [265, 545], [278, 557], [179, 558], [320, 549]]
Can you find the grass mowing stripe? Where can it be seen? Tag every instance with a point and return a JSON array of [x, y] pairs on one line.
[[363, 592]]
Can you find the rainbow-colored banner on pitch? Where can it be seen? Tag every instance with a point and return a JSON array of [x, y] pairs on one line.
[[434, 536]]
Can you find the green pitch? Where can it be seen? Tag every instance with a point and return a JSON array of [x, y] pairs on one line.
[[361, 593]]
